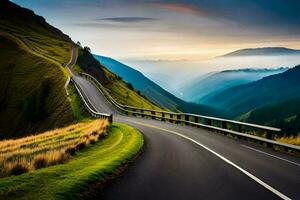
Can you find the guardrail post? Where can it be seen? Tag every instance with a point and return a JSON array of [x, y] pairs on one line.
[[153, 114], [186, 119], [240, 128], [209, 122], [269, 135], [178, 119], [224, 124], [110, 118], [163, 117], [171, 117], [142, 111], [196, 119], [133, 114]]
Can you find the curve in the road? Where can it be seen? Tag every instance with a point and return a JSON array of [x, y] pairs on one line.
[[182, 162]]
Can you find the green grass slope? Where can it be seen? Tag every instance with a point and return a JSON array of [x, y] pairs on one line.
[[71, 180], [32, 95]]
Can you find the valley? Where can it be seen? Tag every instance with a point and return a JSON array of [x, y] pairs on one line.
[[149, 100]]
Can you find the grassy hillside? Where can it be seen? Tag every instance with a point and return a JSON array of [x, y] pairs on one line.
[[140, 82], [32, 92], [93, 164], [269, 90], [285, 114], [31, 75], [119, 90], [49, 148]]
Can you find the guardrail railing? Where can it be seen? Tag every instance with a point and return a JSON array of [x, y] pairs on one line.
[[89, 107], [263, 134]]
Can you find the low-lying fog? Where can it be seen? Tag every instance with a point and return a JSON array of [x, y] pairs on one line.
[[172, 74]]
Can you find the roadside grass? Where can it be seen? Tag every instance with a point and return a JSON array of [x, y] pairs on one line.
[[79, 111], [50, 148], [290, 139], [119, 90], [91, 165]]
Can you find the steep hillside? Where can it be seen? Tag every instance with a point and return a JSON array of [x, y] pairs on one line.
[[122, 92], [271, 89], [285, 115], [32, 95], [214, 83], [140, 82], [153, 91], [266, 51]]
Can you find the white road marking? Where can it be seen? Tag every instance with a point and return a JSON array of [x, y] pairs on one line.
[[265, 185], [271, 155]]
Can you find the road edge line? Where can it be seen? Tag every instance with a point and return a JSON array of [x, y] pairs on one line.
[[265, 185], [268, 154]]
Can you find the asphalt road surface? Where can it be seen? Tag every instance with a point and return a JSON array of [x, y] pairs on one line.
[[183, 162]]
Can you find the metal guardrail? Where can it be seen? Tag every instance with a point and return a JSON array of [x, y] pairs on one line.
[[213, 123], [90, 108]]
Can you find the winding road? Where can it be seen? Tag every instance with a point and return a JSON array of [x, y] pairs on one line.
[[183, 162]]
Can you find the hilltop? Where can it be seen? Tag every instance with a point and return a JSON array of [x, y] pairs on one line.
[[32, 78], [265, 51], [32, 75]]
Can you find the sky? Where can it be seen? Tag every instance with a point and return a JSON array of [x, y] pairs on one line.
[[173, 30], [173, 41]]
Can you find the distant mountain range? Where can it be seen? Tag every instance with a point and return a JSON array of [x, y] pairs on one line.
[[214, 83], [263, 96], [266, 51], [153, 91], [269, 90]]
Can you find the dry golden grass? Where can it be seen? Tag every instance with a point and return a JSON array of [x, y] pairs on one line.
[[49, 148], [290, 140]]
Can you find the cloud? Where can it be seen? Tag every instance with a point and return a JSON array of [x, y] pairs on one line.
[[127, 19], [277, 17], [179, 7]]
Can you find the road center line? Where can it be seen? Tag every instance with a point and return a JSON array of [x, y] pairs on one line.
[[265, 185], [294, 163]]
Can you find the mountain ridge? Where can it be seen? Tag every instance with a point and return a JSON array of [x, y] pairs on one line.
[[16, 14], [264, 51], [270, 89], [201, 88]]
